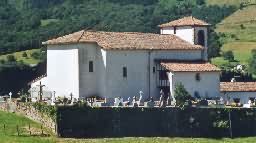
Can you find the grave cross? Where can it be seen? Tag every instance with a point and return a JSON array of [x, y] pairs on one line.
[[40, 91]]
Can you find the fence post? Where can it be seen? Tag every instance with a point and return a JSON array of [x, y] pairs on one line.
[[230, 125], [18, 130], [29, 129], [42, 132], [4, 128]]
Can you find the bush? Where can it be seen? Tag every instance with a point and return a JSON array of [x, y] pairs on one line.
[[181, 95], [11, 58], [242, 26], [229, 56], [24, 54], [2, 61], [36, 55]]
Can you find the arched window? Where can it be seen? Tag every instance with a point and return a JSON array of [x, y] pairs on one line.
[[200, 38]]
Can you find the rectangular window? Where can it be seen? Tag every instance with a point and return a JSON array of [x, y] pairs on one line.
[[124, 71], [90, 66], [154, 69]]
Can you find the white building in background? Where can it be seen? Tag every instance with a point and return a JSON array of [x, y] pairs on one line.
[[242, 91], [120, 64]]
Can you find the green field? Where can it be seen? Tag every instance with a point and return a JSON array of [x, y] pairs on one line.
[[27, 60], [10, 135], [239, 29], [11, 120]]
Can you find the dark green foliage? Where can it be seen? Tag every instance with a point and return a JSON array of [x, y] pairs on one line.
[[242, 26], [15, 76], [26, 23], [51, 111], [252, 62], [228, 55], [11, 58], [227, 75], [24, 54], [181, 95]]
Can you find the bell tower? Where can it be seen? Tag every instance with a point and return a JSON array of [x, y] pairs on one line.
[[190, 29]]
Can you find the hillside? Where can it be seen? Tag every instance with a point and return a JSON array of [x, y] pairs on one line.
[[238, 30], [26, 23]]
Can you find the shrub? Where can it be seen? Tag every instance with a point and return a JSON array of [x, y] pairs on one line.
[[229, 56], [181, 95], [11, 58], [36, 55], [24, 54], [2, 61]]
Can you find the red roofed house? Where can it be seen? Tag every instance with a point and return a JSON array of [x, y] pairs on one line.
[[242, 91], [120, 64]]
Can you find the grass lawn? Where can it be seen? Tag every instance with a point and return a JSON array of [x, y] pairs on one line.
[[219, 61], [10, 136], [242, 24], [242, 50], [27, 60], [240, 31]]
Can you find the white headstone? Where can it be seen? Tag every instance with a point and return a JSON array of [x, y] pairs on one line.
[[10, 94], [53, 98]]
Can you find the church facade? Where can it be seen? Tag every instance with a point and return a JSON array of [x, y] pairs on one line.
[[121, 64]]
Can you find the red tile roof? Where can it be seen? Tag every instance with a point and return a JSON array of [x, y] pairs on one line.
[[189, 66], [238, 86], [186, 21], [126, 41]]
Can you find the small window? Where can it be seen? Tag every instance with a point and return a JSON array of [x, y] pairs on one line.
[[124, 71], [198, 77], [154, 69], [90, 66]]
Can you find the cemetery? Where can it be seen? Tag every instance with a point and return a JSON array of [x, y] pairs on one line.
[[100, 117]]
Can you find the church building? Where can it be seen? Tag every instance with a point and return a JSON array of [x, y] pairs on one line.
[[121, 64]]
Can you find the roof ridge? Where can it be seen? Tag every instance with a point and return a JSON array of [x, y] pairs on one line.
[[81, 36]]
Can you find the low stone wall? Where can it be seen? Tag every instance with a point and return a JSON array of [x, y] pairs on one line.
[[30, 112]]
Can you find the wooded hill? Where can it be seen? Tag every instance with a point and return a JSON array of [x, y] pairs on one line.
[[26, 23]]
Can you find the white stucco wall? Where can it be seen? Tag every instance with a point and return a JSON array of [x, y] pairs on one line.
[[184, 32], [167, 30], [208, 86], [243, 96], [92, 83], [137, 63], [62, 69], [68, 70], [137, 73]]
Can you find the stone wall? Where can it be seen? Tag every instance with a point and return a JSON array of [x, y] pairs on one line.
[[30, 112]]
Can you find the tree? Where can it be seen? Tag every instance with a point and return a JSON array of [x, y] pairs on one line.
[[24, 54], [229, 56], [252, 62], [11, 58], [181, 95]]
